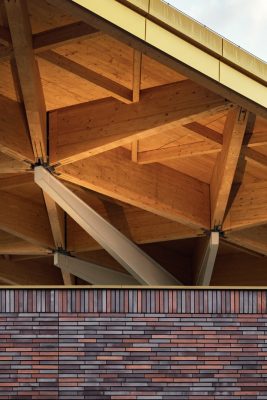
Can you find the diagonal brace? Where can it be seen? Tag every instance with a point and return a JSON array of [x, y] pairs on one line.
[[91, 272], [207, 259], [131, 257]]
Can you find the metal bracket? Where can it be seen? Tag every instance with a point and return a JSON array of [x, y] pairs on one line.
[[46, 166], [216, 228], [60, 250]]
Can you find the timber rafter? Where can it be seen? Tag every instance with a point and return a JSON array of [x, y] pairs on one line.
[[160, 147]]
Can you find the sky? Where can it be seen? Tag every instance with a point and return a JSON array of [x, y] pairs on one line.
[[244, 22]]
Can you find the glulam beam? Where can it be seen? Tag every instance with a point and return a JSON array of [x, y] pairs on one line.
[[140, 29], [137, 70], [178, 151], [58, 226], [113, 88], [88, 129], [28, 73], [90, 272], [137, 224], [133, 259], [205, 259], [154, 188], [62, 35], [226, 163]]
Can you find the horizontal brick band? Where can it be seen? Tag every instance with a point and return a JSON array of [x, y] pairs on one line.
[[134, 301], [132, 356], [119, 344]]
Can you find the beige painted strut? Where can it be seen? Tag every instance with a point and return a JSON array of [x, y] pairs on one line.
[[91, 272], [131, 257], [207, 258]]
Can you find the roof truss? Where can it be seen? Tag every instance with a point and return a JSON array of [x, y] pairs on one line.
[[114, 144]]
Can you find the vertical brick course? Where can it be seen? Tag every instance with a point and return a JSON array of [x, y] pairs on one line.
[[133, 344]]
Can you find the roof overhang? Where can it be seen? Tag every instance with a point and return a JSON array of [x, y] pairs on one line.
[[183, 44]]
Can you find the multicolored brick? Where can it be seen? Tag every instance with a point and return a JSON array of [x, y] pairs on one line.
[[133, 344]]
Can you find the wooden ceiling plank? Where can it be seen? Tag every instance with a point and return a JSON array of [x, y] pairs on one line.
[[20, 248], [15, 180], [254, 140], [25, 219], [14, 133], [253, 239], [29, 77], [92, 128], [178, 151], [19, 273], [136, 40], [79, 241], [251, 140], [113, 88], [135, 223], [257, 139], [248, 207], [5, 38], [225, 167], [240, 270], [154, 188], [5, 53], [12, 245], [50, 39], [205, 132], [255, 156], [10, 166], [239, 248], [131, 257], [92, 273]]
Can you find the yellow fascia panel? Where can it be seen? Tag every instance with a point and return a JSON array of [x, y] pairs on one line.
[[182, 50], [244, 60], [118, 14], [141, 4], [242, 84], [185, 25]]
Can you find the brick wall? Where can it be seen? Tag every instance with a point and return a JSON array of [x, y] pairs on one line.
[[133, 344]]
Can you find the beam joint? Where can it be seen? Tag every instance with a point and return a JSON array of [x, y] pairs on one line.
[[130, 256]]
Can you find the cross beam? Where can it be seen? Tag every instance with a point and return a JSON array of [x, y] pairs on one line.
[[206, 259], [131, 257], [91, 272]]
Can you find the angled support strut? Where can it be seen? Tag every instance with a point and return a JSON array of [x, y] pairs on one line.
[[144, 269], [207, 257], [91, 272]]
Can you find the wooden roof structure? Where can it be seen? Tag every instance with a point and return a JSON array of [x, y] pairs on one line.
[[154, 121]]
